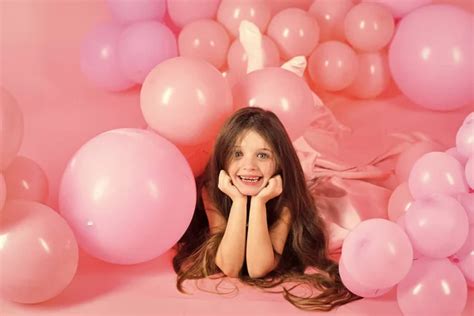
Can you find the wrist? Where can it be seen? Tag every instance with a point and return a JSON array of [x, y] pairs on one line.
[[257, 200]]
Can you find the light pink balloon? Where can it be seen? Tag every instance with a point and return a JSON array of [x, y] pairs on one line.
[[357, 288], [377, 253], [142, 46], [369, 26], [184, 12], [469, 172], [128, 194], [39, 253], [277, 6], [436, 172], [409, 156], [465, 139], [186, 100], [3, 192], [373, 76], [455, 153], [231, 77], [280, 91], [11, 134], [433, 287], [330, 15], [400, 8], [469, 118], [126, 11], [295, 32], [333, 66], [399, 201], [401, 222], [430, 220], [237, 57], [26, 180], [99, 58], [467, 201], [232, 12], [205, 39], [430, 65], [464, 258]]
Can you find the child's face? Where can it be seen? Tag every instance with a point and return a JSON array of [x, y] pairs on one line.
[[252, 163]]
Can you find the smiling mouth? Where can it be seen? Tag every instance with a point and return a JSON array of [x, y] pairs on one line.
[[249, 180]]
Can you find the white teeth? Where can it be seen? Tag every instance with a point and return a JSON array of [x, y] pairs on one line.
[[250, 179]]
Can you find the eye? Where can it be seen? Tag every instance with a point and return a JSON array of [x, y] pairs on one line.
[[263, 155], [237, 154]]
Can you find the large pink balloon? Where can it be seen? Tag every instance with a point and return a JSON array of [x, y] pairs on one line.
[[377, 253], [433, 287], [455, 153], [186, 100], [280, 91], [430, 220], [205, 39], [3, 192], [431, 62], [142, 46], [400, 8], [399, 201], [99, 58], [465, 139], [26, 180], [128, 194], [330, 15], [409, 156], [184, 12], [295, 31], [464, 258], [38, 253], [436, 172], [11, 134], [232, 12], [127, 11]]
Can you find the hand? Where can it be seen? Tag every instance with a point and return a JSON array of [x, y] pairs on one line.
[[273, 189], [226, 186]]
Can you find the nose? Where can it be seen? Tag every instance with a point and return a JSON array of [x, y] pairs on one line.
[[249, 164]]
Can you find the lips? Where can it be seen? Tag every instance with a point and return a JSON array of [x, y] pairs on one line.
[[250, 180]]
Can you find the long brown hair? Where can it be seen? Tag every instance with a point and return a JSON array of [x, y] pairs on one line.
[[306, 245]]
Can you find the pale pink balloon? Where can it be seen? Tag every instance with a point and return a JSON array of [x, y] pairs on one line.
[[430, 65], [11, 135], [465, 139], [401, 222], [409, 156], [126, 11], [455, 153], [333, 66], [39, 253], [377, 253], [464, 258], [330, 15], [436, 172], [295, 32], [205, 39], [277, 6], [399, 201], [184, 12], [99, 58], [373, 76], [430, 220], [186, 100], [401, 8], [434, 287], [469, 118], [3, 192], [469, 172], [280, 91], [128, 194], [369, 26], [467, 201], [142, 46], [232, 12], [237, 58]]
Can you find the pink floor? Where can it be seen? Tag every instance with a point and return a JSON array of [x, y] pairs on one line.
[[40, 65]]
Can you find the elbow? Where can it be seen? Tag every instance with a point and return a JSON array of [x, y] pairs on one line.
[[228, 270], [257, 273]]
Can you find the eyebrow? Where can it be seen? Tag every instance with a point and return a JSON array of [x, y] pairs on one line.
[[263, 148]]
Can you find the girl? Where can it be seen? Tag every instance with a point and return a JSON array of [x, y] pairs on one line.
[[255, 219]]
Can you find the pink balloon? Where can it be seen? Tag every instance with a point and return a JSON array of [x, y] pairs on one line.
[[464, 258], [465, 139], [433, 287], [357, 288], [232, 12], [369, 26], [399, 201], [205, 39], [295, 32], [467, 201], [186, 100], [26, 180], [184, 12], [373, 76], [231, 78], [400, 8], [3, 192], [436, 172], [409, 156], [333, 66], [11, 134], [128, 194], [127, 11], [99, 58], [455, 153], [469, 172], [401, 222], [330, 15], [39, 253], [277, 6], [430, 65], [142, 46], [377, 253], [197, 156], [237, 58], [430, 220], [280, 91]]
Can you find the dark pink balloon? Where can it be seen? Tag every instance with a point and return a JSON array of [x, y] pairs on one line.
[[330, 15]]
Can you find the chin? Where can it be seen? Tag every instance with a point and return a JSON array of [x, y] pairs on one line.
[[249, 191]]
